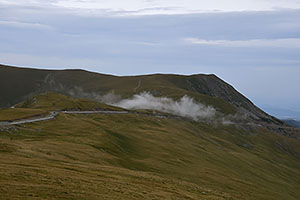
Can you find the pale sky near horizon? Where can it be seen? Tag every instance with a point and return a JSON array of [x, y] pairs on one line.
[[252, 44]]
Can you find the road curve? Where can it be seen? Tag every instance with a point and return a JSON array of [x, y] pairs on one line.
[[52, 115]]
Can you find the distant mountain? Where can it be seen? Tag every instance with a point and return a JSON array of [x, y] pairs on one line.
[[292, 122], [282, 113]]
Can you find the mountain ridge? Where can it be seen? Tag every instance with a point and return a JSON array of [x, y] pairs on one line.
[[292, 122]]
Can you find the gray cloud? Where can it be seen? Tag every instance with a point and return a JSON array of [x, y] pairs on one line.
[[283, 43], [139, 7]]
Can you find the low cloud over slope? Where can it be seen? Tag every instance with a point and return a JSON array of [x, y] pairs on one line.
[[185, 107]]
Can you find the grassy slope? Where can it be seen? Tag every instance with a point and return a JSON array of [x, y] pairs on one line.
[[135, 157], [41, 104], [54, 101]]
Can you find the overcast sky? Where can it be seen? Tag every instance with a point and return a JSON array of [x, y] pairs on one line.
[[252, 44]]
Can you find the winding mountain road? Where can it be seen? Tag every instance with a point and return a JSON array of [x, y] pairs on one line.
[[137, 87], [23, 121], [53, 114]]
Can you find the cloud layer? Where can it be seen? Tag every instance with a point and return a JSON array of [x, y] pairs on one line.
[[279, 43], [185, 107], [146, 7]]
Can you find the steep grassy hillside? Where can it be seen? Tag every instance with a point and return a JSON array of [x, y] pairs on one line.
[[141, 157]]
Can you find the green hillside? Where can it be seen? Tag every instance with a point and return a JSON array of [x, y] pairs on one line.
[[134, 156], [41, 104], [53, 101]]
